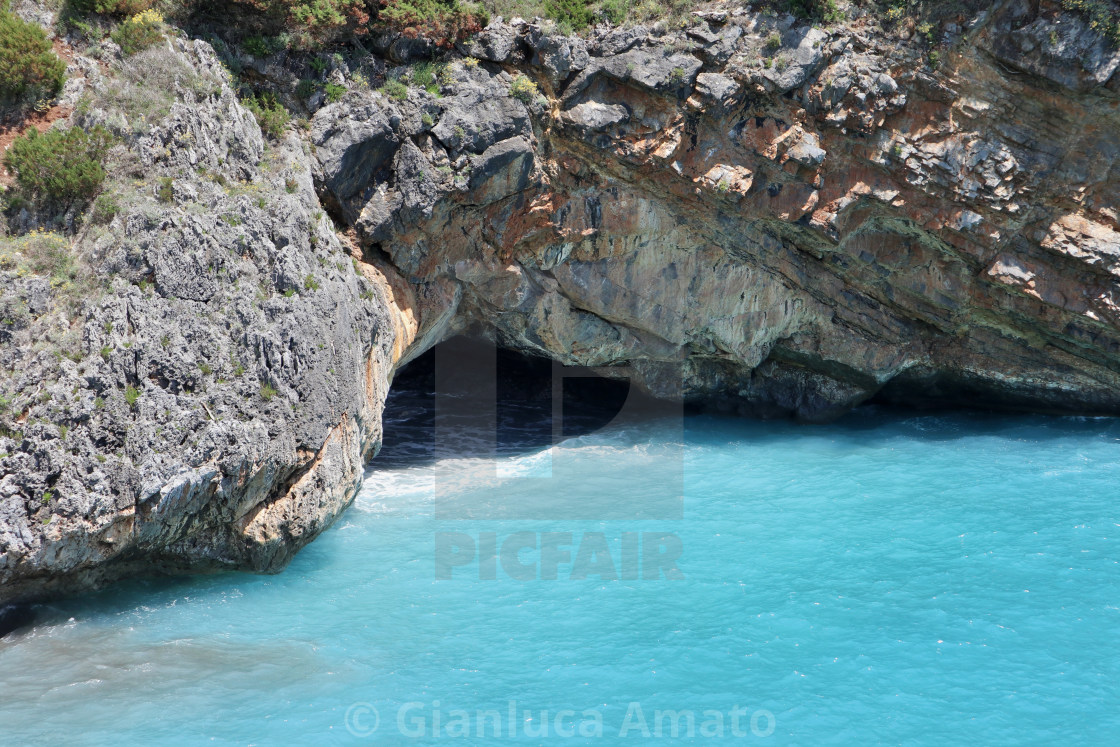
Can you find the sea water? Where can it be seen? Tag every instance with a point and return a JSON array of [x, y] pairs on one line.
[[894, 577]]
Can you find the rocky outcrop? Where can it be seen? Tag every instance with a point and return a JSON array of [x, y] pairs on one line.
[[216, 402], [772, 218], [790, 220], [1060, 47]]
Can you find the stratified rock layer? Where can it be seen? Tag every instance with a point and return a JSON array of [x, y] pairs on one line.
[[789, 237]]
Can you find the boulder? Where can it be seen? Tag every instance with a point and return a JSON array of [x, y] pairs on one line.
[[802, 55], [560, 56], [807, 151], [503, 170], [594, 116], [716, 87], [495, 43], [405, 49], [618, 41], [481, 114], [661, 71], [351, 144]]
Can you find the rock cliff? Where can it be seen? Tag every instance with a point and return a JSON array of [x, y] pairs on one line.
[[787, 219], [216, 401], [771, 217]]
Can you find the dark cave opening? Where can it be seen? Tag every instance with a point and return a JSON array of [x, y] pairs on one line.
[[468, 397]]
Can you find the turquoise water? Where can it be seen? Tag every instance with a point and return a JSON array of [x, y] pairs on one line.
[[890, 578]]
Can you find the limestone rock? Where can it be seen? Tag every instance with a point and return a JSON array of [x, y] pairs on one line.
[[560, 56], [218, 417], [618, 40], [801, 56], [659, 71], [502, 170], [481, 114], [1063, 49], [716, 87], [792, 241], [352, 143], [596, 115], [494, 43], [807, 150]]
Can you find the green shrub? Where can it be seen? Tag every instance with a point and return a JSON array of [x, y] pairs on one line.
[[320, 15], [268, 391], [113, 7], [131, 395], [27, 64], [817, 10], [257, 46], [139, 32], [40, 253], [443, 21], [394, 89], [426, 75], [576, 13], [271, 115], [62, 165], [523, 89], [615, 11], [105, 208], [314, 19], [306, 88], [895, 13], [334, 92], [91, 32], [165, 191]]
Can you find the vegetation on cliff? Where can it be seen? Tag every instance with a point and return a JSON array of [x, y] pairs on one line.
[[1101, 16], [28, 66], [139, 32], [444, 21], [61, 165]]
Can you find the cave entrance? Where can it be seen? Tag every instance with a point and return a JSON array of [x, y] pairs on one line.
[[496, 401]]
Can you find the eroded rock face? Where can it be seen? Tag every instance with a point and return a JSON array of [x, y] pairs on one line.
[[790, 238], [1061, 47], [223, 394]]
